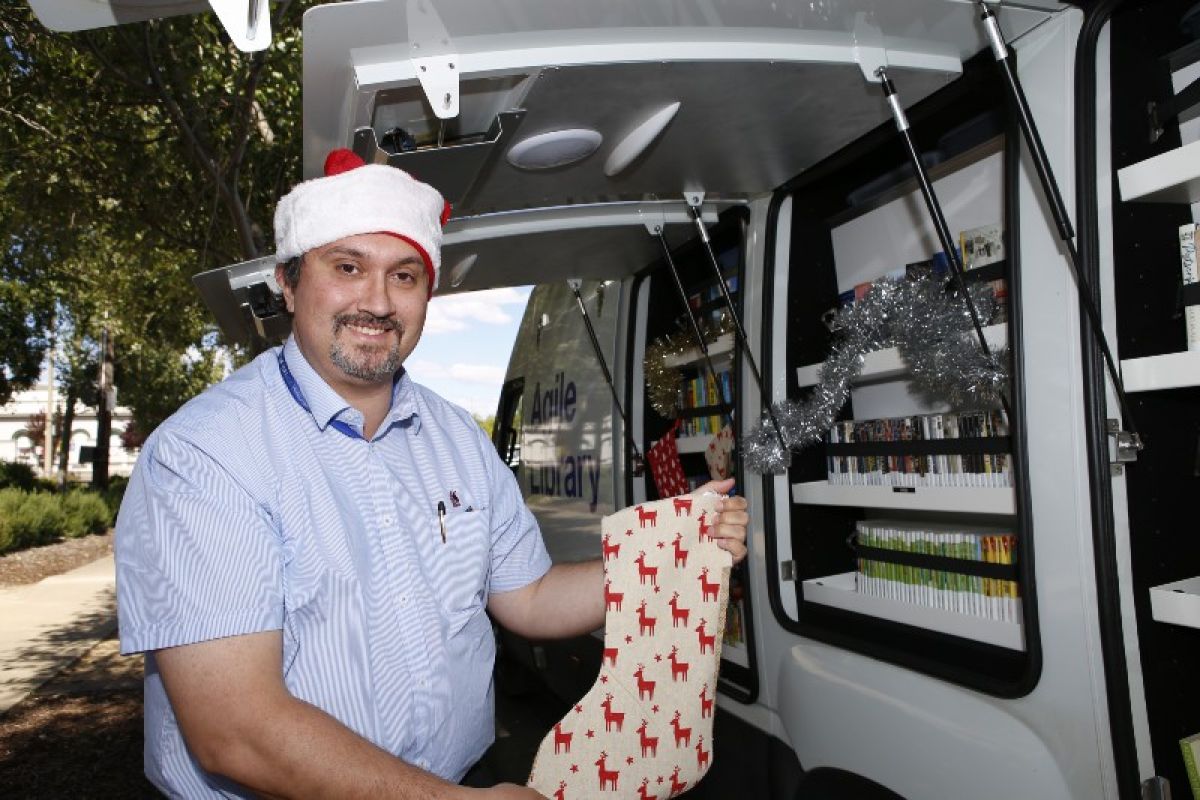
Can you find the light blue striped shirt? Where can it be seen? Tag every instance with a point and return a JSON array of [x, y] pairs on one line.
[[247, 513]]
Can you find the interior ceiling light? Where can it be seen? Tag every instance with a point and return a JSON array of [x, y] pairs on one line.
[[641, 137], [458, 273], [554, 148]]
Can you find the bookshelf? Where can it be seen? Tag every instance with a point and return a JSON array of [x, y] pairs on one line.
[[1171, 177], [887, 365], [1177, 603], [953, 499], [838, 591], [1168, 371], [720, 351]]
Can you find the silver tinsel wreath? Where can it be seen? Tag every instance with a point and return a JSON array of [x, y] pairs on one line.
[[933, 331]]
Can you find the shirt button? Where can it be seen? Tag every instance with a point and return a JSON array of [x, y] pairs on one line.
[[423, 763], [403, 600], [387, 520]]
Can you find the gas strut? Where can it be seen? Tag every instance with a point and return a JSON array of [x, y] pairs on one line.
[[739, 331], [1062, 220], [638, 462], [935, 213]]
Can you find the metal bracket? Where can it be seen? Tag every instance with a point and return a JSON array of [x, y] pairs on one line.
[[248, 22], [869, 51], [1123, 448], [434, 58], [787, 570]]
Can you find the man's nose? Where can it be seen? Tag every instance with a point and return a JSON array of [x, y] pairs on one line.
[[374, 298]]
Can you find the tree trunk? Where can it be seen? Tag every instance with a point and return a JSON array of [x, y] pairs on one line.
[[103, 413], [64, 441]]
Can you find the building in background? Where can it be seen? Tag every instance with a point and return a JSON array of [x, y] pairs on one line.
[[21, 439]]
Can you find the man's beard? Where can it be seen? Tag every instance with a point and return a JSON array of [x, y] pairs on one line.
[[363, 363]]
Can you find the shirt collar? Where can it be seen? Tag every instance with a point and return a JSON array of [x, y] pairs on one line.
[[326, 405]]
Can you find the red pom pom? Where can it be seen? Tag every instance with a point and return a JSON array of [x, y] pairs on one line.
[[342, 160], [445, 212]]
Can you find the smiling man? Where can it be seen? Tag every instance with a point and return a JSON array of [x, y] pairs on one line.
[[306, 551]]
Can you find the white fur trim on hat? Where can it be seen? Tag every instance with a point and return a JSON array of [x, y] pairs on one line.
[[364, 198]]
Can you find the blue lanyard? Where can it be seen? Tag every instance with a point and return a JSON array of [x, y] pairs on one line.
[[298, 396]]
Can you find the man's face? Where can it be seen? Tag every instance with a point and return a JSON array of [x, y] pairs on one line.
[[358, 309]]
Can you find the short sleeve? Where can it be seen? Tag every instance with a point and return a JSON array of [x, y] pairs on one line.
[[197, 556], [519, 555]]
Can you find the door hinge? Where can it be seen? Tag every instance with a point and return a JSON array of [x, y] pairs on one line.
[[1123, 447], [787, 570], [1156, 788]]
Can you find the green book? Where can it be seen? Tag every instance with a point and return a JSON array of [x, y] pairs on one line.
[[1191, 760]]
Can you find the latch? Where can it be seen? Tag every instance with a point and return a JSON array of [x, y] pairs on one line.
[[1123, 447], [787, 570]]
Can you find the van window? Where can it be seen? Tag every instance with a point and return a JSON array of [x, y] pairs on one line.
[[506, 436]]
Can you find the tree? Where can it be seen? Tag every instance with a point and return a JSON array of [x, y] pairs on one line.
[[132, 158]]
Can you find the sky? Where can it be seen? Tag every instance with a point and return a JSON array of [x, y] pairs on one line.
[[465, 348]]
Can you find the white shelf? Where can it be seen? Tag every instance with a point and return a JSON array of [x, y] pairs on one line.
[[1173, 177], [886, 365], [692, 444], [720, 347], [1170, 371], [960, 499], [838, 591], [1177, 603]]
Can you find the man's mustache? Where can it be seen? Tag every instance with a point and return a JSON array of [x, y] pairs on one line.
[[368, 320]]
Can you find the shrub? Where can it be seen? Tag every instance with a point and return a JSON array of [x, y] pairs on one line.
[[115, 493], [10, 501], [33, 519], [86, 513], [16, 476]]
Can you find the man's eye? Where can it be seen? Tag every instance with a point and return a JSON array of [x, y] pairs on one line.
[[403, 277], [347, 268]]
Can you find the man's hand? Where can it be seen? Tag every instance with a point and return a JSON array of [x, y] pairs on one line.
[[732, 519]]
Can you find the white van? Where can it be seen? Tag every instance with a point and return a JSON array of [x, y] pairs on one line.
[[998, 601]]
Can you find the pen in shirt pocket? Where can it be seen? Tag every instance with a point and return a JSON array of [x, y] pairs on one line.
[[441, 511]]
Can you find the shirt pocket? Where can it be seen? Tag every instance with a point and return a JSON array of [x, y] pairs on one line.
[[456, 569]]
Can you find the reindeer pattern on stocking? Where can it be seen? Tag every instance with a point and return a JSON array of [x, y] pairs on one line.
[[658, 565]]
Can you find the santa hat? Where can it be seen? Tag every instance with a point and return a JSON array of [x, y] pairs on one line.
[[354, 198]]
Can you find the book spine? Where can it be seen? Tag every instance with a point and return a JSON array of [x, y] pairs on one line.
[[1187, 257], [1191, 761]]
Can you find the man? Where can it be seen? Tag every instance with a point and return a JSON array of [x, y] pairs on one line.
[[306, 551]]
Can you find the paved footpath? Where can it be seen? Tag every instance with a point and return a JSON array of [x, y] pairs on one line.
[[48, 625]]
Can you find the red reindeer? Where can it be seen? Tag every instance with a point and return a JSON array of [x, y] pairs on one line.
[[645, 515], [683, 505], [610, 655], [681, 734], [610, 550], [612, 600], [701, 754], [678, 668], [608, 776], [611, 717], [704, 526], [649, 743], [706, 641], [562, 738], [644, 571], [677, 785], [708, 591], [561, 794], [645, 687], [644, 792], [680, 553], [706, 703], [645, 623], [678, 615]]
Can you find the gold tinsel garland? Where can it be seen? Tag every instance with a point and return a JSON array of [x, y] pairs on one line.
[[662, 380]]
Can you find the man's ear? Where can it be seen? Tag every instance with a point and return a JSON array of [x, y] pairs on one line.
[[288, 297]]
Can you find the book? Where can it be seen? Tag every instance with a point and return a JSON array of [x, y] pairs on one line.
[[982, 246], [1187, 259], [1191, 760]]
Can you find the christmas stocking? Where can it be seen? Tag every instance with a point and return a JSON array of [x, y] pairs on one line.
[[644, 730]]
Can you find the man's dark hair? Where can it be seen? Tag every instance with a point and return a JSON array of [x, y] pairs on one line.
[[291, 271]]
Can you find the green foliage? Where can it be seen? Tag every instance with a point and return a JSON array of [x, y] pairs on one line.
[[87, 513], [30, 519], [114, 494], [487, 423], [16, 476]]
